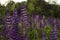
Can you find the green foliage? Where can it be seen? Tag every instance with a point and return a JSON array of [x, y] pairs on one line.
[[39, 33], [47, 29], [2, 36], [17, 5], [34, 6], [10, 6], [39, 9], [30, 8], [32, 35], [2, 10]]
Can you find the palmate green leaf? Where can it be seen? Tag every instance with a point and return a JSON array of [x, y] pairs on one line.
[[47, 29]]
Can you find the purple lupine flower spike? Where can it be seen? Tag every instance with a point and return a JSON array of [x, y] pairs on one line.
[[42, 24], [52, 35], [54, 32], [8, 27], [37, 24], [15, 24], [55, 29], [24, 16], [50, 21], [37, 20], [25, 21], [15, 17]]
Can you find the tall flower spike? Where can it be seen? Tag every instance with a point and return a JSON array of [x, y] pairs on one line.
[[54, 32], [24, 20], [8, 27], [15, 24], [37, 21], [52, 35], [37, 24], [24, 16], [55, 29], [50, 21], [42, 24], [15, 17]]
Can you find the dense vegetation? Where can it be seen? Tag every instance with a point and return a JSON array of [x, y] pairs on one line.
[[31, 20]]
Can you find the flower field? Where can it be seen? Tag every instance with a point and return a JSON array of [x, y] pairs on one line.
[[25, 27]]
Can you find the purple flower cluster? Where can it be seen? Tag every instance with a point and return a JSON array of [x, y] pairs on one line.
[[43, 35], [24, 16], [54, 32], [11, 25], [25, 22], [54, 35], [11, 28], [15, 24], [50, 21], [55, 29], [37, 21], [42, 22], [8, 28]]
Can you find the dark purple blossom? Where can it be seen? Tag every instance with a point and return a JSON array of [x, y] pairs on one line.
[[8, 27], [50, 21], [42, 22], [43, 35], [54, 32], [37, 19], [52, 35], [15, 24], [25, 21], [24, 15], [55, 29]]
